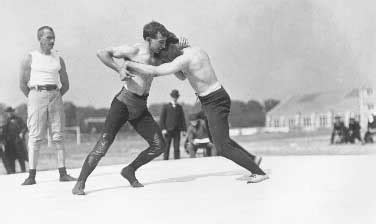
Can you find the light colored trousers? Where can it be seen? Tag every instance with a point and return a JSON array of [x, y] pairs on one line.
[[45, 112]]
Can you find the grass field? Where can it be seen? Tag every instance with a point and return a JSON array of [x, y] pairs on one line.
[[126, 147]]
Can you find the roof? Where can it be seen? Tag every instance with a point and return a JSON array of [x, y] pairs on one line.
[[321, 102]]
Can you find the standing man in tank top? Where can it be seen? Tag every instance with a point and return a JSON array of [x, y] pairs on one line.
[[44, 80], [130, 105]]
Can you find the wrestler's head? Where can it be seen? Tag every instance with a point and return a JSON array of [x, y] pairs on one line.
[[168, 54], [156, 35]]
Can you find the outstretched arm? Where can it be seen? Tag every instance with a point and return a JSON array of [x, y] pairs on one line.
[[178, 64], [180, 75]]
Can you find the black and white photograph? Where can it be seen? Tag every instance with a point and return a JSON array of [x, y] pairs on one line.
[[188, 112]]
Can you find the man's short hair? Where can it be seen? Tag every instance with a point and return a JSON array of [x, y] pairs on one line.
[[41, 29]]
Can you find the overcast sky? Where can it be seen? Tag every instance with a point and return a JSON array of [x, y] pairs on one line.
[[260, 48]]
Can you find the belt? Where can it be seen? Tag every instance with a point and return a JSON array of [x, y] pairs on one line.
[[44, 87], [144, 96]]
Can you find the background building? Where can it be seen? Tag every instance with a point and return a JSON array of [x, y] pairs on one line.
[[317, 110]]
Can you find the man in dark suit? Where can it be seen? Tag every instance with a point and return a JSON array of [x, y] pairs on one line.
[[3, 124], [15, 141], [172, 122]]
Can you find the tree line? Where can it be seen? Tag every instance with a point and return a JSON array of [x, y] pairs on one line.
[[243, 114]]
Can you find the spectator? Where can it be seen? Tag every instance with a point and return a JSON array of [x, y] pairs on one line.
[[371, 129], [44, 80], [15, 141], [339, 131], [172, 122], [354, 131], [197, 137], [3, 123]]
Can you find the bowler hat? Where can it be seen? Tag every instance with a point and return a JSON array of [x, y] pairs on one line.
[[175, 93]]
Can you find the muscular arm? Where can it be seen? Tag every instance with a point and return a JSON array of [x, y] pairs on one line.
[[107, 55], [179, 64], [180, 75], [25, 74], [63, 78]]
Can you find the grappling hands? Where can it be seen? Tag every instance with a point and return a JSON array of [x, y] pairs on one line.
[[124, 73], [183, 43]]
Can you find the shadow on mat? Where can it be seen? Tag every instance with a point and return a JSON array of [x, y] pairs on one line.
[[179, 179]]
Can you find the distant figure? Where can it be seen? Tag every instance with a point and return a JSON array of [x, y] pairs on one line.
[[172, 122], [197, 137], [371, 129], [339, 131], [15, 141], [3, 123], [354, 131], [44, 80]]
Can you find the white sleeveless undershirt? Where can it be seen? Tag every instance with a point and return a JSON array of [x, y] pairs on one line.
[[44, 69]]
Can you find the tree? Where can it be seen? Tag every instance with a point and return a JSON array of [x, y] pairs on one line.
[[70, 114], [269, 104], [248, 114], [254, 105], [2, 107], [22, 111]]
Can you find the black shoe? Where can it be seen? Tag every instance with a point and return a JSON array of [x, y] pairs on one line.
[[79, 188], [128, 173], [66, 178], [29, 181]]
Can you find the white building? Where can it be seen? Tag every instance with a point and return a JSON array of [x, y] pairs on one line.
[[317, 110]]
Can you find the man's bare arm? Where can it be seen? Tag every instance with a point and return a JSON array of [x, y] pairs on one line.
[[25, 74], [107, 56], [179, 64], [63, 78], [180, 75]]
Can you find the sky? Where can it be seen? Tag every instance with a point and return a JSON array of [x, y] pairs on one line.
[[260, 49]]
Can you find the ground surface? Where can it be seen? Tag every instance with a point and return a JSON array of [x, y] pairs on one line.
[[302, 189], [126, 147]]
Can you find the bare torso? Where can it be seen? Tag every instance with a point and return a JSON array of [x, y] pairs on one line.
[[200, 72], [141, 84]]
